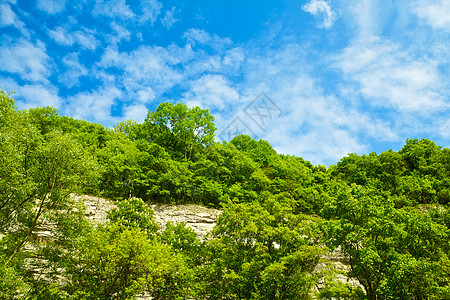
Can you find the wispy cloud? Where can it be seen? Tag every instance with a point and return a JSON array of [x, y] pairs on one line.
[[136, 112], [444, 128], [51, 6], [9, 18], [32, 95], [169, 18], [317, 126], [74, 71], [151, 9], [39, 95], [120, 33], [196, 36], [66, 38], [436, 13], [389, 76], [113, 9], [94, 106], [145, 66], [27, 60], [211, 91], [321, 9]]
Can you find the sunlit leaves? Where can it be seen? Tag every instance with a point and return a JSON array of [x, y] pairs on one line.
[[118, 263], [263, 251], [179, 129]]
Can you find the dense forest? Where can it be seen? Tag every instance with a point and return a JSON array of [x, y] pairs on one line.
[[386, 213]]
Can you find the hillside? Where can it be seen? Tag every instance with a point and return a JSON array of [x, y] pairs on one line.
[[387, 214]]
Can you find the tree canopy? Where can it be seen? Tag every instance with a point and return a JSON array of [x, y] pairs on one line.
[[386, 213]]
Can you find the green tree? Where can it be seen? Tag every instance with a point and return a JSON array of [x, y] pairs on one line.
[[134, 213], [53, 169], [262, 251], [12, 284], [45, 119], [114, 262], [260, 151], [39, 168], [179, 129], [392, 252], [123, 166]]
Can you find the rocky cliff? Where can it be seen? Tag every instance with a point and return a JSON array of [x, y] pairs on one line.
[[199, 218]]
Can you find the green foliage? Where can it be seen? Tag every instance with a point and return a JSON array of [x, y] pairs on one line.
[[417, 174], [45, 119], [387, 213], [7, 110], [338, 290], [12, 284], [394, 253], [259, 151], [130, 128], [114, 262], [134, 213], [39, 167], [262, 251], [183, 240], [180, 129], [121, 159]]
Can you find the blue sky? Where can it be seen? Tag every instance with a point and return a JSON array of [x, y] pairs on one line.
[[329, 77]]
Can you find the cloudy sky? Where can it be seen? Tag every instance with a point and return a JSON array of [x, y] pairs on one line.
[[316, 78]]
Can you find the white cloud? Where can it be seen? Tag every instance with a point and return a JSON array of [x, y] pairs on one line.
[[317, 126], [211, 91], [74, 71], [388, 76], [51, 6], [85, 40], [110, 58], [145, 95], [435, 12], [227, 63], [153, 67], [200, 36], [32, 95], [9, 18], [121, 33], [366, 17], [321, 9], [169, 18], [28, 60], [136, 112], [94, 106], [153, 71], [196, 36], [233, 59], [38, 95], [150, 10], [444, 129], [113, 8], [320, 128], [63, 37]]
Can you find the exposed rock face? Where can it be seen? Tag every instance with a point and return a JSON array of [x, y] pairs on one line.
[[199, 218], [96, 208], [337, 261]]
